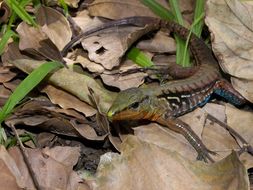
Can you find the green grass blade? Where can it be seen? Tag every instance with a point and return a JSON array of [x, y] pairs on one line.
[[176, 11], [182, 56], [21, 12], [198, 12], [139, 58], [7, 35], [32, 80], [23, 3], [158, 9], [196, 22], [64, 6]]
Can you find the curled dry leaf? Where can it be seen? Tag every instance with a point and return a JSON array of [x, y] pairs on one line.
[[4, 94], [34, 116], [123, 81], [53, 167], [118, 9], [54, 25], [121, 9], [165, 169], [11, 54], [109, 46], [12, 85], [73, 83], [67, 101], [230, 22], [161, 43], [79, 56], [11, 177], [5, 12], [36, 42], [6, 74], [84, 21]]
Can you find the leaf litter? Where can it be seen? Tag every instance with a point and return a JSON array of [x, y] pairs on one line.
[[70, 133]]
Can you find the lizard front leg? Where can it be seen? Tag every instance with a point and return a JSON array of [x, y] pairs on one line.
[[184, 129]]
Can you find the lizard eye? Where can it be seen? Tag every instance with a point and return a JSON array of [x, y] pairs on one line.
[[135, 105]]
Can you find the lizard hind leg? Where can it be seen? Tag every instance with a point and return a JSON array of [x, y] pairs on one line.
[[184, 129]]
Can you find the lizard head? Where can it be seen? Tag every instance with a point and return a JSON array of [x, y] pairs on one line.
[[129, 105]]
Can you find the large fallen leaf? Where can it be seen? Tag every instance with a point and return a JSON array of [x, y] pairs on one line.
[[11, 177], [37, 43], [230, 22], [116, 79], [79, 56], [118, 9], [52, 167], [67, 101], [161, 43], [55, 25], [107, 47], [146, 166], [36, 117], [73, 83]]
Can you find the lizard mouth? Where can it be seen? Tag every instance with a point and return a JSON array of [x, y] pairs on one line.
[[125, 115]]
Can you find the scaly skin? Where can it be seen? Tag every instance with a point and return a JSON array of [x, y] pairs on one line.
[[163, 104]]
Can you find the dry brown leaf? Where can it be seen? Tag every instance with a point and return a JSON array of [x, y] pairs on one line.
[[11, 177], [146, 166], [161, 43], [84, 21], [34, 116], [230, 22], [12, 85], [73, 83], [121, 9], [118, 9], [54, 25], [124, 81], [52, 167], [67, 101], [88, 132], [36, 42], [4, 94], [79, 56], [5, 12], [109, 46], [6, 74], [69, 157], [164, 138], [11, 54]]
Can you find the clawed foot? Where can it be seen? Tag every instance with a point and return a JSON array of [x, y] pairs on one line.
[[246, 148], [204, 155]]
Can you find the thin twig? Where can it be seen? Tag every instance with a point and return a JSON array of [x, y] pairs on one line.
[[25, 156], [245, 145]]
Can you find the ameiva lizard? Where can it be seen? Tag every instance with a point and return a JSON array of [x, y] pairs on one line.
[[164, 103]]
